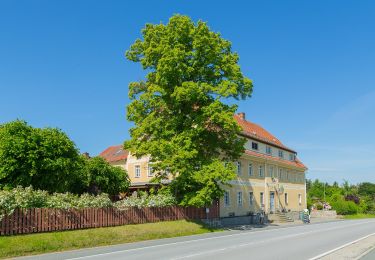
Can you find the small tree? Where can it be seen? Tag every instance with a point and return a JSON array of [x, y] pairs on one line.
[[103, 177], [180, 116], [44, 158]]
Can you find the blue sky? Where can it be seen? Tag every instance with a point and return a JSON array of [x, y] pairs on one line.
[[62, 65]]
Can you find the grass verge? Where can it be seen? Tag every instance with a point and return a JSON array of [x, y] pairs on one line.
[[359, 216], [32, 244]]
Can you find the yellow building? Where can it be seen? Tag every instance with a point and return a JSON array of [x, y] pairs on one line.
[[270, 178]]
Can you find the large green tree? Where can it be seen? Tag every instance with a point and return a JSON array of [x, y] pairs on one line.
[[180, 111], [44, 158]]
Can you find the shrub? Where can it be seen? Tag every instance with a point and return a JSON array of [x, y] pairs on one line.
[[344, 207], [145, 200], [353, 198], [29, 198]]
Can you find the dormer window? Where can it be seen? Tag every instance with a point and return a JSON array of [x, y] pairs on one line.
[[254, 146], [268, 149], [292, 157], [281, 153]]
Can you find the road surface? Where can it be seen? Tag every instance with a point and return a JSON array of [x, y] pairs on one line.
[[292, 242]]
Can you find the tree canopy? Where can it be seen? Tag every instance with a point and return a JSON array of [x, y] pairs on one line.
[[44, 158], [179, 110], [103, 177]]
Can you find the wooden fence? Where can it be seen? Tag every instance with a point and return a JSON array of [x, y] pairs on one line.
[[26, 221]]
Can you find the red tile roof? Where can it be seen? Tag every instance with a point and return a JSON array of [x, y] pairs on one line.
[[297, 163], [257, 132], [114, 153]]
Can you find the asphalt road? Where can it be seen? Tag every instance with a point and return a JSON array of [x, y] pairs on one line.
[[292, 242]]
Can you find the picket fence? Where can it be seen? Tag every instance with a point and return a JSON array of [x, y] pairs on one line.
[[36, 220]]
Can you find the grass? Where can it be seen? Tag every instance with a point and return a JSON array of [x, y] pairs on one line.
[[359, 216], [32, 244]]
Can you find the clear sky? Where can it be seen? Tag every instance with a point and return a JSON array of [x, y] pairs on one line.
[[62, 65]]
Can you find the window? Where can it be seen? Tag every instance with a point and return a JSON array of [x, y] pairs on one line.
[[137, 170], [270, 171], [280, 174], [281, 153], [239, 198], [268, 149], [250, 169], [251, 198], [226, 199], [150, 172], [286, 198], [292, 157], [262, 199], [238, 164], [261, 171], [254, 146], [300, 199]]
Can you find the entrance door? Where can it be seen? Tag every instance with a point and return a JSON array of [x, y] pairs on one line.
[[272, 201]]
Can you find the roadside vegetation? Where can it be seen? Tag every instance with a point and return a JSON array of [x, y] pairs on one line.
[[46, 159], [25, 198], [59, 241], [353, 201], [359, 216]]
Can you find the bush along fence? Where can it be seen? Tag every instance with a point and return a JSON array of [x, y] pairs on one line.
[[36, 220]]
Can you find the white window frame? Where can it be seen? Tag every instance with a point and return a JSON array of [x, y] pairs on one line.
[[268, 149], [251, 198], [270, 171], [238, 164], [281, 154], [226, 199], [250, 169], [150, 171], [260, 171], [256, 144], [239, 199], [137, 171]]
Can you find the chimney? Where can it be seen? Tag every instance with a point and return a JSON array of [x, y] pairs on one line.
[[86, 155], [242, 115]]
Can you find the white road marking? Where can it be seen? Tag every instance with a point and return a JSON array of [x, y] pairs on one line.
[[340, 247], [259, 242], [209, 238]]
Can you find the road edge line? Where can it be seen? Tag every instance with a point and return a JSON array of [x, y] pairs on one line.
[[340, 247]]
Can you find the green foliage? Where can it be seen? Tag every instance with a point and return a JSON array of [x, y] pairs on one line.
[[29, 198], [344, 207], [342, 198], [145, 200], [180, 116], [103, 177], [48, 160], [44, 158], [367, 189]]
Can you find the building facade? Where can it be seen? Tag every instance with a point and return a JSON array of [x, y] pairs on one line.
[[270, 177]]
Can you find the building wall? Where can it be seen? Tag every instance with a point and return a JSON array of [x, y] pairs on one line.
[[262, 149], [143, 164], [290, 180], [292, 183]]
